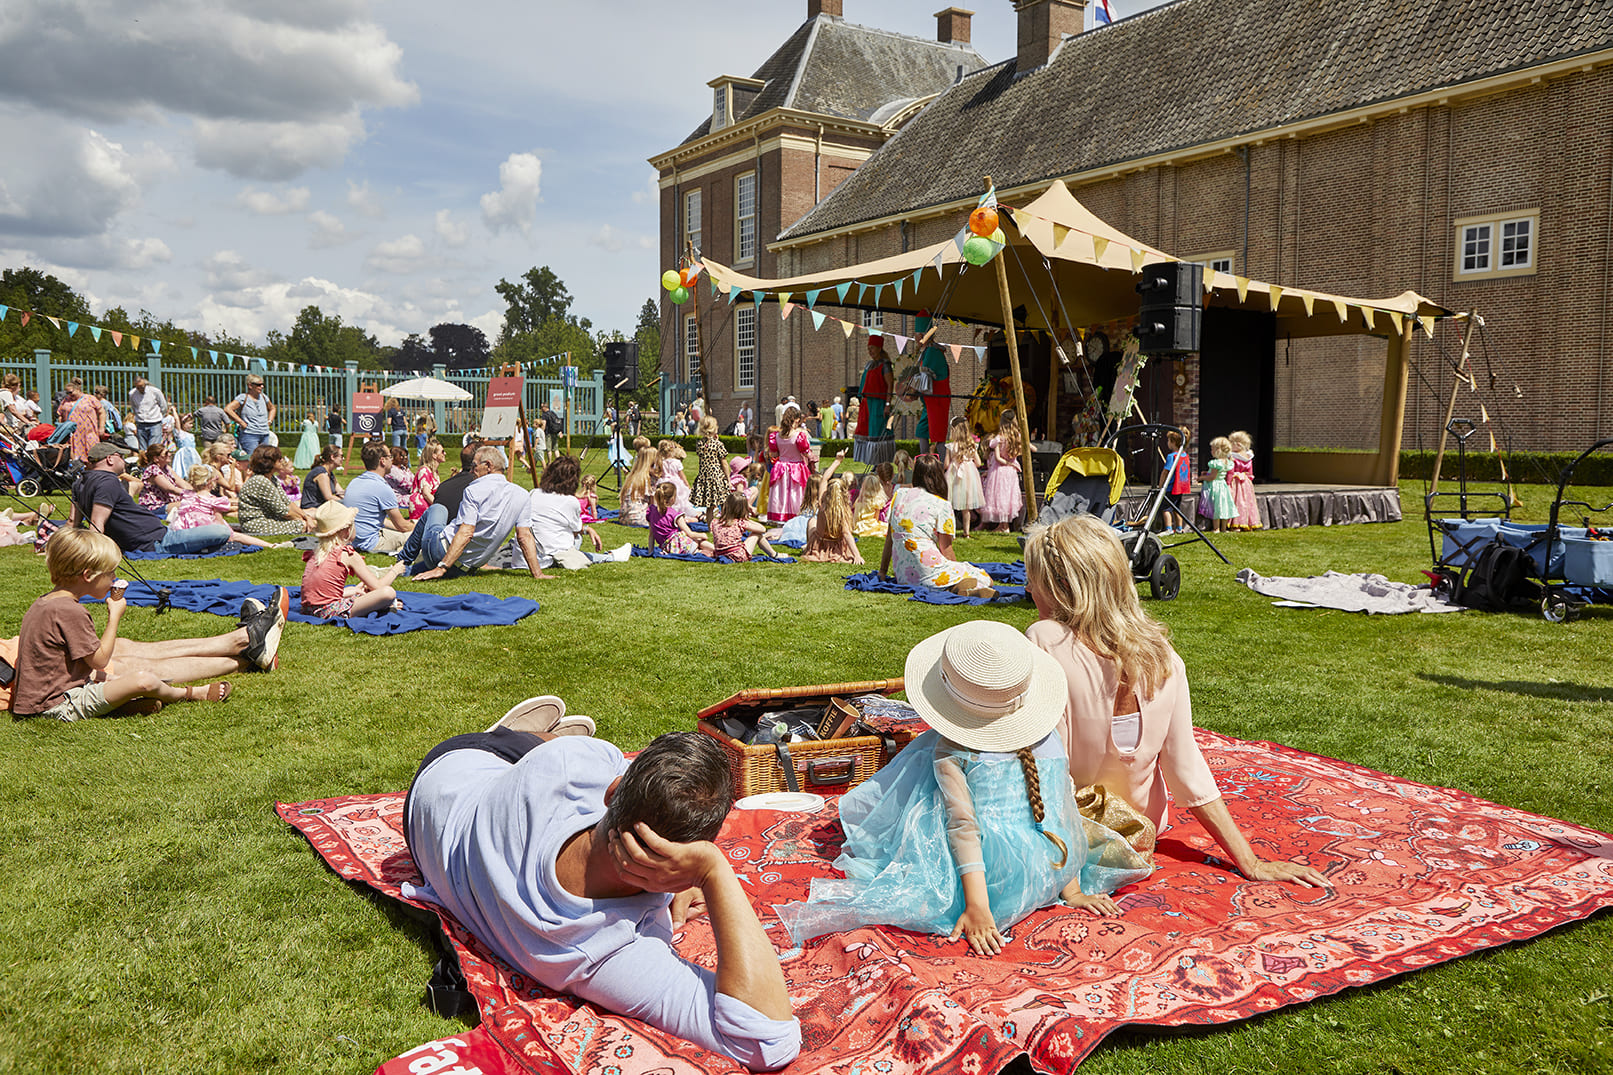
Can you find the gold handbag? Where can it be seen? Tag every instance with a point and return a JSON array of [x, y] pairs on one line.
[[1099, 808]]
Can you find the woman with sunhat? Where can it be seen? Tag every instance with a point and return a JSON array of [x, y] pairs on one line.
[[974, 825]]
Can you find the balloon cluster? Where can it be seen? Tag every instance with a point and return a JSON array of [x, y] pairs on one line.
[[988, 237], [679, 282]]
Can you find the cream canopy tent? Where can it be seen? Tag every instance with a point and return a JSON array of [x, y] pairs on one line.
[[1063, 261]]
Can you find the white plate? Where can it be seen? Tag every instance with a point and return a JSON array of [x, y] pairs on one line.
[[799, 802]]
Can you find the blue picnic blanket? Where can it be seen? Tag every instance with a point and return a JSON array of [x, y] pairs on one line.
[[229, 548], [421, 611], [696, 558], [870, 582]]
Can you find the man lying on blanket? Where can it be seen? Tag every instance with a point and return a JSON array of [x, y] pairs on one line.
[[543, 848]]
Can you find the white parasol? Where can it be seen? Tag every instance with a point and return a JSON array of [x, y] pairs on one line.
[[427, 388]]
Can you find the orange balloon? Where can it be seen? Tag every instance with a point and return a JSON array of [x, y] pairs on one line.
[[983, 221], [690, 275]]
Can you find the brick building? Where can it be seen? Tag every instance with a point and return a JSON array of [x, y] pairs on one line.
[[774, 146], [1459, 149]]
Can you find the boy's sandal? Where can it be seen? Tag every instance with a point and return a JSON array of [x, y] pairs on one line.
[[215, 692]]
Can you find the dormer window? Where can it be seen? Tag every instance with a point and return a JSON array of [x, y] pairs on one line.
[[730, 97]]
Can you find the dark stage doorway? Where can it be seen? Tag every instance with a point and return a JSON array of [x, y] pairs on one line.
[[1238, 381]]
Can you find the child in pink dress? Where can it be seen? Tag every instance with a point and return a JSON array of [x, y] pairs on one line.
[[734, 534], [1242, 481], [588, 499], [325, 592], [790, 473], [1002, 493], [201, 505]]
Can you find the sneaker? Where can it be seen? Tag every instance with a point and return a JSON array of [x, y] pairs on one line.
[[264, 631], [541, 714], [250, 608], [622, 554], [573, 724]]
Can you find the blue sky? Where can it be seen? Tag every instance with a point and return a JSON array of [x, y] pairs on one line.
[[227, 162]]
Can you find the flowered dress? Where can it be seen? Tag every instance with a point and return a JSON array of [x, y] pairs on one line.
[[85, 414], [195, 509], [1242, 481], [425, 491], [917, 517], [729, 538], [710, 489], [152, 498], [789, 476], [1003, 499], [963, 478]]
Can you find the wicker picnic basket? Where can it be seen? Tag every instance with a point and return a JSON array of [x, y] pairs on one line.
[[828, 765]]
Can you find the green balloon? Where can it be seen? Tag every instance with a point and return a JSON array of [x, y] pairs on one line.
[[999, 238], [978, 250], [671, 280], [680, 295]]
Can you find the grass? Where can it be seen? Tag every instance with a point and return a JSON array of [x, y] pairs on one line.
[[158, 917]]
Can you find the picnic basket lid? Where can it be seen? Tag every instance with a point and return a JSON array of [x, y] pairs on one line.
[[761, 699]]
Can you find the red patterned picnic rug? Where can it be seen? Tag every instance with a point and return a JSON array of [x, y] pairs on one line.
[[1421, 875]]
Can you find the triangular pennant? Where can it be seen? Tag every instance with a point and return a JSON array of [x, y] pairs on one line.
[[716, 288], [980, 353], [962, 238], [117, 337], [156, 347], [812, 298], [53, 321], [1276, 296], [901, 342], [937, 262], [862, 293], [1243, 287], [134, 344], [785, 310], [1428, 325], [3, 310], [1310, 302], [1060, 233], [194, 353], [817, 319], [95, 333], [879, 291], [1368, 314], [989, 198], [843, 289], [957, 351], [898, 286], [918, 277], [72, 327], [214, 356], [784, 297], [1099, 245], [1138, 258], [1209, 280], [759, 297], [25, 316], [733, 293], [848, 328], [1398, 320], [1343, 309]]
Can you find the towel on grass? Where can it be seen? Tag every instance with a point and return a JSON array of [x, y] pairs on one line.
[[870, 582], [1372, 594], [420, 612], [229, 548], [1421, 875], [696, 558]]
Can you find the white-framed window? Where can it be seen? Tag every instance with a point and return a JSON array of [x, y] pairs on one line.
[[745, 348], [874, 320], [1219, 261], [1499, 245], [691, 346], [691, 218], [719, 106], [745, 218]]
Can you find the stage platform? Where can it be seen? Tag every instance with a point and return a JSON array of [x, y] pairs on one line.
[[1286, 504]]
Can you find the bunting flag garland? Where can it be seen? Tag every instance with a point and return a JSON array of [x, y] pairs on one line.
[[53, 321], [901, 342], [117, 337], [72, 328], [156, 347], [214, 356], [3, 310], [843, 289], [25, 316], [937, 262], [980, 353], [1310, 302], [733, 293], [862, 292], [957, 351], [817, 319], [812, 298], [134, 344], [759, 297], [1398, 320], [784, 297], [194, 353], [1243, 287], [848, 328], [785, 309], [1061, 232], [879, 292], [1099, 245], [1276, 296], [1343, 309], [1428, 325], [1138, 259], [716, 288], [918, 278], [898, 285]]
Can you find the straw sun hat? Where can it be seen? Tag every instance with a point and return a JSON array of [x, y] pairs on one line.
[[985, 686], [332, 517]]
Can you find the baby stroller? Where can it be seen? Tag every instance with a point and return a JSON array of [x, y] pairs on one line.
[[1091, 481], [36, 468]]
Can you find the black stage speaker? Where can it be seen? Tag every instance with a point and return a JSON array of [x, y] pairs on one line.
[[621, 364], [1172, 314]]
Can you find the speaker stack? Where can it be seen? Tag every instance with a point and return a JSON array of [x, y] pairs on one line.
[[621, 364], [1172, 315]]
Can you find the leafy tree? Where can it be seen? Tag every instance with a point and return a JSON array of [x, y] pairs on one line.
[[540, 297], [648, 334], [41, 294], [458, 346], [318, 339], [547, 347], [414, 354]]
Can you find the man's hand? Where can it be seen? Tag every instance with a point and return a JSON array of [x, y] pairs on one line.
[[434, 573], [1267, 870], [655, 864], [599, 544], [690, 903]]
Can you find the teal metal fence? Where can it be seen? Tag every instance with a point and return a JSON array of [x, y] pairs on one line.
[[297, 392]]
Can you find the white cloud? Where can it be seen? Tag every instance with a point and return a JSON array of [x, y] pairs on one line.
[[252, 312], [71, 182], [361, 198], [106, 252], [650, 193], [402, 255], [515, 203], [228, 271], [274, 150], [451, 231], [328, 231], [614, 241], [269, 203]]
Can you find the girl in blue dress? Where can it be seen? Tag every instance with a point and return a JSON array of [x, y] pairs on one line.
[[973, 826]]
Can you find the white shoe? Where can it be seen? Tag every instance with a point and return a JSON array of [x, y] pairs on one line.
[[575, 724], [623, 554], [541, 714]]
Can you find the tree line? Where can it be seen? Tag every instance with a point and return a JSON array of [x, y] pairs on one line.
[[539, 326]]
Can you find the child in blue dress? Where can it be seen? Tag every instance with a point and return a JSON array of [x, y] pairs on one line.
[[974, 825]]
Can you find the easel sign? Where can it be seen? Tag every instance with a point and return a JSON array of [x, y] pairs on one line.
[[568, 382], [367, 407], [504, 418]]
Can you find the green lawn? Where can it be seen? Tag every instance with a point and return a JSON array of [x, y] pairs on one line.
[[158, 917]]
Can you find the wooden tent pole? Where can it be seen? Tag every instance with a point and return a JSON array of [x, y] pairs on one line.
[[1473, 320], [1019, 390]]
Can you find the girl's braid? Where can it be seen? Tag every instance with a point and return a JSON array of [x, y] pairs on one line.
[[1033, 787]]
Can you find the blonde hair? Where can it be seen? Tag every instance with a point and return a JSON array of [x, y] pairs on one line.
[[834, 512], [662, 445], [708, 426], [640, 480], [1033, 789], [665, 493], [218, 450], [958, 434], [1080, 569], [901, 463], [1008, 429], [328, 542], [72, 553], [1220, 448], [201, 475], [872, 486], [1240, 440], [433, 447], [640, 443], [813, 490], [589, 484], [673, 450]]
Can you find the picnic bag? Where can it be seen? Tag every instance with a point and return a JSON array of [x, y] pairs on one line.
[[1496, 579]]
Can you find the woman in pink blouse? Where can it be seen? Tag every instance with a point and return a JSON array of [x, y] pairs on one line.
[[1128, 724]]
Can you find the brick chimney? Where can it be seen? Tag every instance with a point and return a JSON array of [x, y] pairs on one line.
[[1042, 25], [952, 26], [825, 7]]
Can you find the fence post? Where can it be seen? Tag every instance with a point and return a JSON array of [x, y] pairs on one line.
[[42, 380], [439, 413], [154, 372], [352, 390]]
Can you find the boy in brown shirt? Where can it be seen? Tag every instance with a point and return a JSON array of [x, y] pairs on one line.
[[64, 670]]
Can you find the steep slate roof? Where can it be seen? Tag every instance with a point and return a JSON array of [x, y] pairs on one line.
[[838, 68], [1190, 73]]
